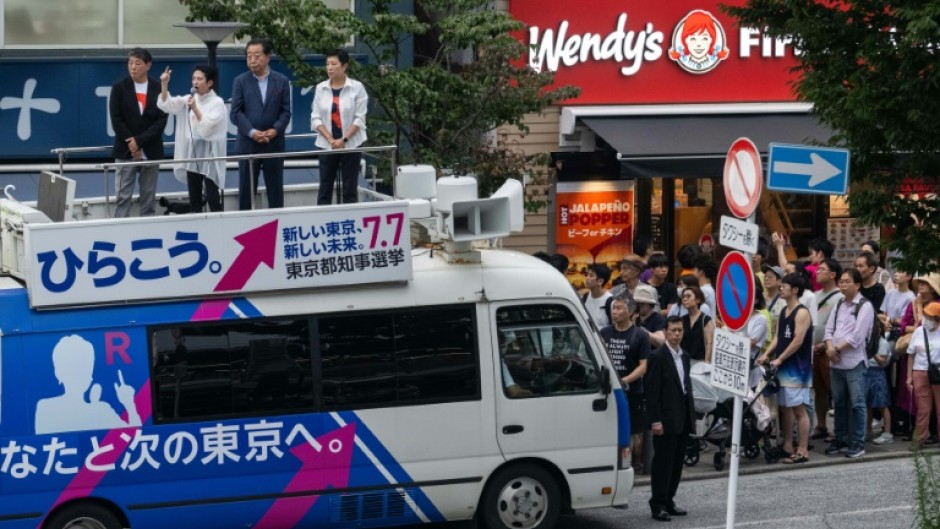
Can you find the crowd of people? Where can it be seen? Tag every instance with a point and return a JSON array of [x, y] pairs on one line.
[[857, 343], [139, 106]]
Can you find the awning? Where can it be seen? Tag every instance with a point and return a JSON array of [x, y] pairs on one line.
[[683, 136], [679, 140]]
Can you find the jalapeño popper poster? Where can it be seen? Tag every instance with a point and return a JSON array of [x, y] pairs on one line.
[[593, 224]]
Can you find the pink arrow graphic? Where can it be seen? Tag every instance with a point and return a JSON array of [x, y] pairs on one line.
[[258, 247], [328, 467]]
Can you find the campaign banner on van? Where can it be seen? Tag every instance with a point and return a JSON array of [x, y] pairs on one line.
[[190, 256], [594, 222]]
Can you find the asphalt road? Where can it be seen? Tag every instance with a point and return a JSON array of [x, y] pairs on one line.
[[876, 495]]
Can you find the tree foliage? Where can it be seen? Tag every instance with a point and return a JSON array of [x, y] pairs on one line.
[[469, 74], [870, 68]]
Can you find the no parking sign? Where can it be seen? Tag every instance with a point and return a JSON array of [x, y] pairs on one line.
[[734, 291]]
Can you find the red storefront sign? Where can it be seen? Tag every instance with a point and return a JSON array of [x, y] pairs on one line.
[[642, 52]]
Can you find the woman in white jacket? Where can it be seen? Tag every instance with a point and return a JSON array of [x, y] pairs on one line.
[[339, 116], [201, 129]]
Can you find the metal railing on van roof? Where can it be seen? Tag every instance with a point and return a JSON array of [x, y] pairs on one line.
[[392, 151]]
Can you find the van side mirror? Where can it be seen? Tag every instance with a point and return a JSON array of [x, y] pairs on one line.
[[605, 380]]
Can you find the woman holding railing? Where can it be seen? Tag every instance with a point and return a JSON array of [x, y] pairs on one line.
[[201, 128]]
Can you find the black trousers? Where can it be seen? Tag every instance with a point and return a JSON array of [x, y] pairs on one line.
[[668, 456], [346, 167], [273, 173], [194, 183]]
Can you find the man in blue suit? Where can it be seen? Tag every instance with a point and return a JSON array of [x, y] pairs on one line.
[[261, 111]]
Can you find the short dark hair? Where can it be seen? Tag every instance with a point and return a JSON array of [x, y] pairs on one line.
[[795, 280], [341, 55], [875, 247], [822, 245], [869, 258], [542, 255], [266, 47], [707, 265], [853, 274], [656, 260], [601, 270], [833, 266], [673, 319], [687, 255], [140, 53], [211, 73], [688, 280], [560, 262]]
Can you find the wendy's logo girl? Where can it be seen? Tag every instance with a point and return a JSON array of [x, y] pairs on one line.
[[698, 42]]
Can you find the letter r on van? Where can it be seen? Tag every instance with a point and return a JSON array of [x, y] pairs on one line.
[[117, 342]]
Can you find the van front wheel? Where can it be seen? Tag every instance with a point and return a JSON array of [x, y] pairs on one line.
[[522, 496], [83, 516]]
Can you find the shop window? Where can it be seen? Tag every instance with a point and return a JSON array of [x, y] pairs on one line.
[[62, 23]]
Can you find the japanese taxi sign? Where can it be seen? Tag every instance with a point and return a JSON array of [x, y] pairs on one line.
[[731, 362]]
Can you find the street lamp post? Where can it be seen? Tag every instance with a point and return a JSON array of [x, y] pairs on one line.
[[211, 33]]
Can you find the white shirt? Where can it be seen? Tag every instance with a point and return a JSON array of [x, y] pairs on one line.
[[597, 309], [709, 292], [757, 330], [353, 104], [919, 350], [212, 128], [677, 359], [808, 300]]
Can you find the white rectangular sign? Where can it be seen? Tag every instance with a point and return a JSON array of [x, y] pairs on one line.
[[192, 256], [731, 362], [738, 234]]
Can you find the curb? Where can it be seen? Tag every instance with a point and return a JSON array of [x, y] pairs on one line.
[[816, 462]]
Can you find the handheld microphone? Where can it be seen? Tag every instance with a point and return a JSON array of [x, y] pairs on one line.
[[192, 93]]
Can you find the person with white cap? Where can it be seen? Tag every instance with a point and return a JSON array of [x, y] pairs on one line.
[[649, 317]]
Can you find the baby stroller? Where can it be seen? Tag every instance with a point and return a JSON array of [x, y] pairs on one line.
[[717, 407]]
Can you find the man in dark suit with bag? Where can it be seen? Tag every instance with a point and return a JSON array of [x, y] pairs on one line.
[[671, 412], [261, 111]]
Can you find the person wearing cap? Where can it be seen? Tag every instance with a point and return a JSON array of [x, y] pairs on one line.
[[629, 348], [924, 349], [649, 318], [927, 290], [630, 269]]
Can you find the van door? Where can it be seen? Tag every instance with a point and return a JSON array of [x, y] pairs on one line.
[[550, 404]]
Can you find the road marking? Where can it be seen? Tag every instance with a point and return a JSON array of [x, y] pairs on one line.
[[897, 508]]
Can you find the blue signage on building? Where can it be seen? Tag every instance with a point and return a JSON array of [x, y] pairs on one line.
[[45, 104], [808, 169]]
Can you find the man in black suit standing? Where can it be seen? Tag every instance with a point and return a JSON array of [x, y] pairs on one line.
[[671, 412], [138, 132], [261, 111]]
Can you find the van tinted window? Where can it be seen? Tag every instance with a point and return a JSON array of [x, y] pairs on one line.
[[233, 368], [267, 366], [399, 358]]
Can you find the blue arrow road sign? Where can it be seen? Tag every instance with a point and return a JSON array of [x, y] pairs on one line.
[[808, 169]]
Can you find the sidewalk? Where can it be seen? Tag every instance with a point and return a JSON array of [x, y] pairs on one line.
[[705, 468]]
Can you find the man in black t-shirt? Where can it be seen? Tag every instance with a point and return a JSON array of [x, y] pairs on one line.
[[866, 263], [629, 347], [666, 291]]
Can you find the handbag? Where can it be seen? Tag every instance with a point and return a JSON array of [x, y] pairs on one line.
[[933, 370]]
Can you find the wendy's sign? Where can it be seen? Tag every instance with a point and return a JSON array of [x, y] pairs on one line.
[[641, 52]]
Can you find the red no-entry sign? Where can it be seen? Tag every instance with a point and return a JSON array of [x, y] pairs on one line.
[[743, 178]]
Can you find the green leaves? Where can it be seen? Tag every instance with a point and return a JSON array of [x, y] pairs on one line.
[[469, 75], [870, 69]]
